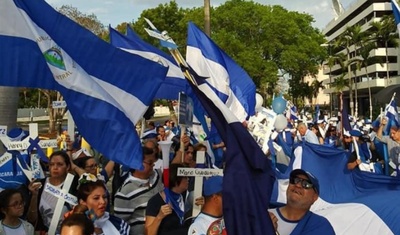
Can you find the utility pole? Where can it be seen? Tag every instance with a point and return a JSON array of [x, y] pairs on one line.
[[207, 27]]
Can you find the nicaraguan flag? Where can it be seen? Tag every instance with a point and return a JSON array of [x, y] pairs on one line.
[[230, 82], [174, 83], [355, 202], [107, 90], [247, 173], [392, 115]]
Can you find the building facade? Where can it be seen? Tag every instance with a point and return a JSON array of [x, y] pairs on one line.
[[362, 12]]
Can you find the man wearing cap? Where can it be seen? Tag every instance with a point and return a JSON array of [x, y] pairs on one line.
[[210, 220], [295, 217]]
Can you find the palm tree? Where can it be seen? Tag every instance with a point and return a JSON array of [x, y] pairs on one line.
[[352, 36], [384, 32], [315, 87], [364, 61]]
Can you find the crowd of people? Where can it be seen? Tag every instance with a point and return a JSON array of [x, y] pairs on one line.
[[365, 143], [139, 203]]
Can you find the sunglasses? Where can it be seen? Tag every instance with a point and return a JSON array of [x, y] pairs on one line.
[[303, 182]]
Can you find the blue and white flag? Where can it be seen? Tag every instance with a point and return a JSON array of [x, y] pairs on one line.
[[107, 90], [174, 83], [291, 113], [247, 174], [392, 115], [354, 202], [230, 82]]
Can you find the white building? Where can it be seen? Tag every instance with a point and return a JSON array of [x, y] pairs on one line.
[[362, 12]]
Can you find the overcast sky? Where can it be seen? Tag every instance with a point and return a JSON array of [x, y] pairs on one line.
[[115, 12]]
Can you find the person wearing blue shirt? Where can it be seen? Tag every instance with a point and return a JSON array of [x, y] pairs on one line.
[[295, 217]]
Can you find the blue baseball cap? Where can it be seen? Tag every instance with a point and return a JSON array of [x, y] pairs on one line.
[[356, 133], [212, 185], [309, 176]]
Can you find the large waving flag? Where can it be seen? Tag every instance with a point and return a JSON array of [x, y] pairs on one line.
[[355, 202], [174, 83], [107, 90], [248, 176], [231, 83]]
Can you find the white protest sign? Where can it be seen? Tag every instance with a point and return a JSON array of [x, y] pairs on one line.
[[48, 143], [59, 104], [199, 173], [63, 196], [3, 130]]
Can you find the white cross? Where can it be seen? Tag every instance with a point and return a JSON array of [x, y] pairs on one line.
[[199, 173], [63, 196], [23, 145]]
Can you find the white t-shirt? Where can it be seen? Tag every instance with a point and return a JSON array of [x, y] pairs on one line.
[[201, 224], [14, 231], [285, 227]]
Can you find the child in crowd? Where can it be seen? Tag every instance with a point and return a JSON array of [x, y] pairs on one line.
[[12, 208]]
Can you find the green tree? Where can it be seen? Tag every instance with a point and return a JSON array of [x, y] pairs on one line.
[[262, 39]]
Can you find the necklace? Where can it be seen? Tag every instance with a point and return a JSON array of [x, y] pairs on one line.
[[12, 227]]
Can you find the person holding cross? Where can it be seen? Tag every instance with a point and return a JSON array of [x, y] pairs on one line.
[[210, 217], [43, 203]]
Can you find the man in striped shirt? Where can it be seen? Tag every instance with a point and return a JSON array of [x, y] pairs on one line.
[[131, 199]]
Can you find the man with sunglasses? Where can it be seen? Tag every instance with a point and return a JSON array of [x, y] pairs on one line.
[[295, 217]]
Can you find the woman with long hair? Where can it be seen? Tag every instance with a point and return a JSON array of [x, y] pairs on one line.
[[316, 131], [92, 194]]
